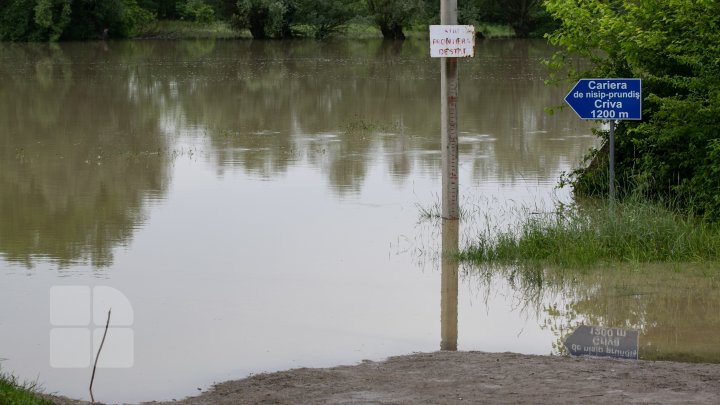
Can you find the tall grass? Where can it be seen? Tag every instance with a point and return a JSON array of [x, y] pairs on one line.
[[12, 392], [631, 231], [491, 30], [172, 29]]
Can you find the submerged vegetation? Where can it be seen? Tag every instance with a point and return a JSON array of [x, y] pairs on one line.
[[361, 125], [633, 230]]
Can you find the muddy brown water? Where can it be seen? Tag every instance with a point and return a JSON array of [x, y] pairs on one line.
[[254, 206]]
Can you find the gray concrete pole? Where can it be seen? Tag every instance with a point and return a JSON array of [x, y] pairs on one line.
[[448, 125]]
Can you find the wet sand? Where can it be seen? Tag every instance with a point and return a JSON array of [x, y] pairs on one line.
[[474, 377]]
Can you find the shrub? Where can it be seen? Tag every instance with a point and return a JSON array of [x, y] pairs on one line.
[[196, 10], [673, 46]]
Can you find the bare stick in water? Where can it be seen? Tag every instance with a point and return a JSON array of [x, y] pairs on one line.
[[102, 342]]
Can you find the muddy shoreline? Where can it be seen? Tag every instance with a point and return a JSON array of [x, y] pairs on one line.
[[473, 377]]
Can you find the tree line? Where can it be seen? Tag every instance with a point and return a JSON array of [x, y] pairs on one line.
[[53, 20]]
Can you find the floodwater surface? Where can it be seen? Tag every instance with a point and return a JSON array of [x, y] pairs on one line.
[[247, 206]]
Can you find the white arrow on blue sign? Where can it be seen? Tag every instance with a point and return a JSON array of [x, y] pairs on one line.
[[606, 99]]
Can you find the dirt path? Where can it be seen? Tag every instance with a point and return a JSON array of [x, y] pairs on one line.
[[476, 377]]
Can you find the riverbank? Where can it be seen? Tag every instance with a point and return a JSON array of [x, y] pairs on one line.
[[474, 377], [14, 392], [580, 236]]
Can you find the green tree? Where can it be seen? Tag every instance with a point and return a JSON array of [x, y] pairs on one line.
[[674, 46], [392, 15], [524, 16], [134, 18], [265, 18], [17, 21], [52, 16], [52, 20], [196, 10], [224, 9], [162, 9], [326, 17], [34, 20]]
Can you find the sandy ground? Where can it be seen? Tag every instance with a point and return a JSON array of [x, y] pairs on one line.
[[474, 377]]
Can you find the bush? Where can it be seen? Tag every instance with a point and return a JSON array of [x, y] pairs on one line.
[[16, 20], [34, 20], [197, 11], [53, 20], [52, 16], [326, 17], [135, 19], [391, 16], [673, 152]]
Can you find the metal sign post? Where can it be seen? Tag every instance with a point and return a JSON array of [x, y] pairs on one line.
[[611, 160], [607, 100], [448, 126], [450, 41]]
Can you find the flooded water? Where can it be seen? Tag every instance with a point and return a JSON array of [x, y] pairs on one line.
[[258, 206]]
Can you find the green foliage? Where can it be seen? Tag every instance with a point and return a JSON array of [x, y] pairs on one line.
[[280, 18], [135, 19], [196, 10], [265, 18], [161, 9], [16, 21], [53, 20], [52, 16], [94, 19], [392, 15], [525, 17], [224, 9], [674, 46], [12, 392], [326, 17], [631, 231], [178, 29]]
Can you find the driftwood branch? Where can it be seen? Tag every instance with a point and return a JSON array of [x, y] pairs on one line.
[[102, 342]]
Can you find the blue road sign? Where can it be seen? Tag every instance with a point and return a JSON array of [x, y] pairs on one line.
[[606, 99]]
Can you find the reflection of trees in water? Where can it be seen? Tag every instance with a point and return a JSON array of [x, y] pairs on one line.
[[675, 307], [78, 152], [264, 103], [79, 121], [508, 105]]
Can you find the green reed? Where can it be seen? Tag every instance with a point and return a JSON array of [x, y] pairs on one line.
[[594, 233]]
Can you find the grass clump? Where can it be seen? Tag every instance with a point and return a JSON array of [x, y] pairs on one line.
[[13, 392], [491, 30], [580, 236], [174, 29], [361, 125]]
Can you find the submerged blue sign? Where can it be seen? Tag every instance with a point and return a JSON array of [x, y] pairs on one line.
[[606, 99], [598, 341]]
